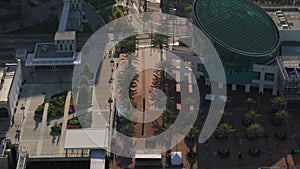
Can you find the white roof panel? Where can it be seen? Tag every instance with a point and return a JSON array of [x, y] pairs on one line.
[[86, 138]]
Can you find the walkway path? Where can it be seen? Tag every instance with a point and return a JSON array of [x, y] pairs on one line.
[[42, 131], [64, 124]]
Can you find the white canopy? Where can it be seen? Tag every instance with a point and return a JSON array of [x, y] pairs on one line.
[[86, 138]]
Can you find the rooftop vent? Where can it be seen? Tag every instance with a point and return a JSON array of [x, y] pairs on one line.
[[44, 48]]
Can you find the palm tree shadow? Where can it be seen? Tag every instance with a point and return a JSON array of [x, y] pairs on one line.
[[157, 128], [122, 161]]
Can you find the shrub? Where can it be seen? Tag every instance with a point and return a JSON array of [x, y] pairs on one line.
[[73, 122], [57, 104], [56, 127], [39, 111]]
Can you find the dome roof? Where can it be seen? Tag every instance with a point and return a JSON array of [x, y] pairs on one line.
[[238, 25]]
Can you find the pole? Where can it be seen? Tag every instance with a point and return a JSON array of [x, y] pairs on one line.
[[173, 33], [143, 124]]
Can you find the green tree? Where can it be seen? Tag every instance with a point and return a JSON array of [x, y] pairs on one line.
[[160, 41], [252, 117], [190, 139], [127, 130], [168, 116], [224, 129], [255, 129], [278, 102], [280, 116], [250, 103]]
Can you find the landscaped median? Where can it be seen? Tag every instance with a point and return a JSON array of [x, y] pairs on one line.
[[57, 104], [39, 111]]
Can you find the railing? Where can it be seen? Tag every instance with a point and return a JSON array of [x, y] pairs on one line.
[[23, 157]]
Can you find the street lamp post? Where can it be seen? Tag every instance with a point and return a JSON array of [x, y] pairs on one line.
[[110, 101]]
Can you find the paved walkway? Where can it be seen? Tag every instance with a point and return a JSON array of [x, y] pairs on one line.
[[64, 124], [36, 133]]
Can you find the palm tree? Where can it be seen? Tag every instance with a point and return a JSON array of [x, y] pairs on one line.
[[127, 119], [160, 41], [250, 103], [127, 130], [168, 116], [190, 139], [251, 117], [280, 116], [277, 102], [224, 129], [128, 45], [252, 133], [255, 129]]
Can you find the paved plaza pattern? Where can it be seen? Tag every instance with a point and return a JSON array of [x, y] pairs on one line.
[[35, 133]]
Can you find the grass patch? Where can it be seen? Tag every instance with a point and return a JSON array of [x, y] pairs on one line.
[[48, 26]]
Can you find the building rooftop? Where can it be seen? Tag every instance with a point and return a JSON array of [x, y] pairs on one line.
[[7, 76], [86, 139], [21, 51], [290, 67], [285, 18], [48, 50], [45, 54], [68, 35]]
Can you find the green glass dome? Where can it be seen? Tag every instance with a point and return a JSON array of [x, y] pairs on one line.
[[237, 24], [242, 33]]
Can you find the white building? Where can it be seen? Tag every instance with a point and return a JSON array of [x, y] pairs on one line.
[[11, 83]]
